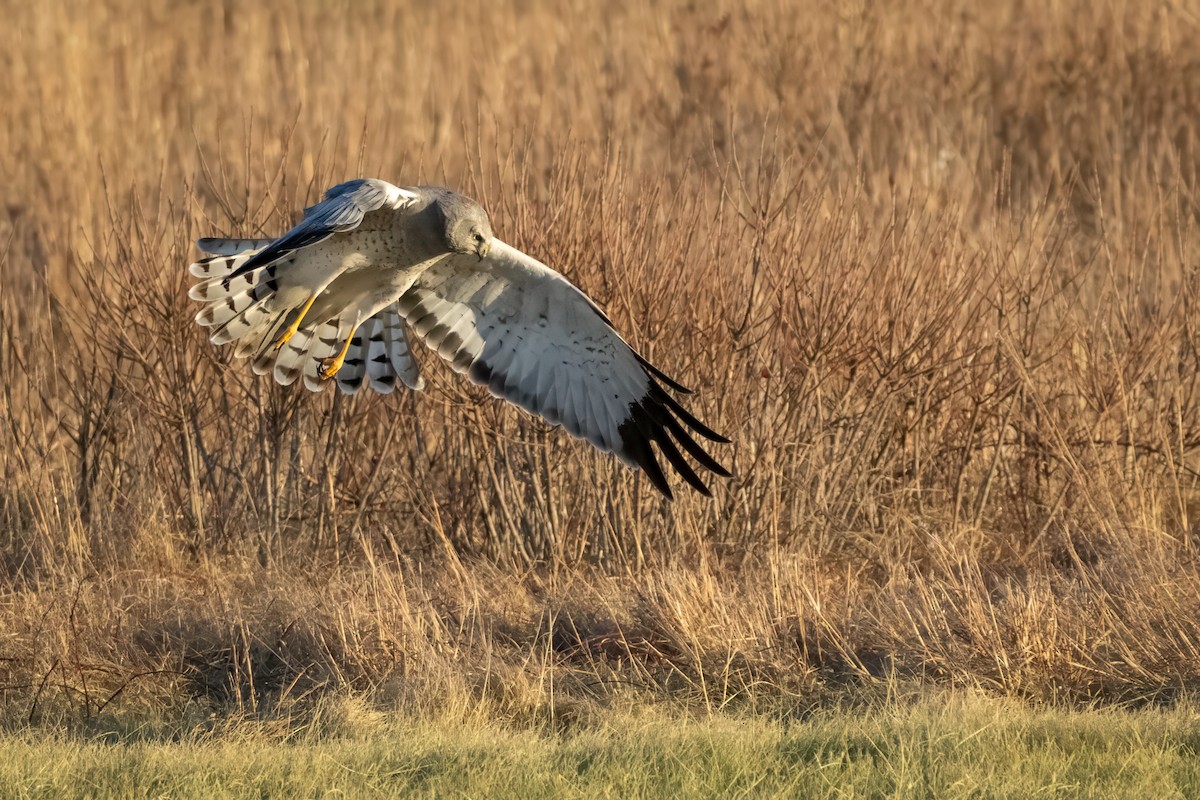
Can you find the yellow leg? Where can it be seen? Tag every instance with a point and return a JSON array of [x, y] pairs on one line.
[[290, 330], [331, 365]]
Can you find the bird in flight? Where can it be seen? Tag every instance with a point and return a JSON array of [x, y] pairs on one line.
[[325, 303]]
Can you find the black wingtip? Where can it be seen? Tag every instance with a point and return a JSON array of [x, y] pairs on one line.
[[664, 418], [677, 461], [662, 376], [652, 421], [657, 394], [636, 445], [652, 430]]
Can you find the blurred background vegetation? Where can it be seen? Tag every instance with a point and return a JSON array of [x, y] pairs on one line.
[[931, 264]]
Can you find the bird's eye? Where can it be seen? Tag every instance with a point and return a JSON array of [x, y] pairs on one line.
[[478, 237]]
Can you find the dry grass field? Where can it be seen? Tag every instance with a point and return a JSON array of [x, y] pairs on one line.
[[932, 265]]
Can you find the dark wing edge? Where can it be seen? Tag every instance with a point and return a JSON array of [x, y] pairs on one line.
[[342, 209], [652, 417], [656, 418]]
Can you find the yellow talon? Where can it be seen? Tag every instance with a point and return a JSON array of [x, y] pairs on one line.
[[331, 365], [290, 330]]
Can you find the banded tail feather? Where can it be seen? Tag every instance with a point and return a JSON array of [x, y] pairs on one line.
[[379, 356], [400, 358], [327, 342], [237, 309], [244, 310], [350, 377], [224, 256]]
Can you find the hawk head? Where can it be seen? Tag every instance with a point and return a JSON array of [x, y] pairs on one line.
[[467, 227]]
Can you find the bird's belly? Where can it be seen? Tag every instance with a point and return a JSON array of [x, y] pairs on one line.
[[367, 289]]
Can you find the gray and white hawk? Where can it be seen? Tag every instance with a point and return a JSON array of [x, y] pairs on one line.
[[324, 303]]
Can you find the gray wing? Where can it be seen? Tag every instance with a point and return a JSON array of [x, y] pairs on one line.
[[228, 247], [512, 324], [342, 209]]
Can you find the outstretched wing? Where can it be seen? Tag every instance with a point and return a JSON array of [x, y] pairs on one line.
[[512, 324], [342, 210]]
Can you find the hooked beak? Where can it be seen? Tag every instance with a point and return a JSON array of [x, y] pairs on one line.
[[483, 249]]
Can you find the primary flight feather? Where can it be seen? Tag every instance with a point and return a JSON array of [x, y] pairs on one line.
[[324, 302]]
